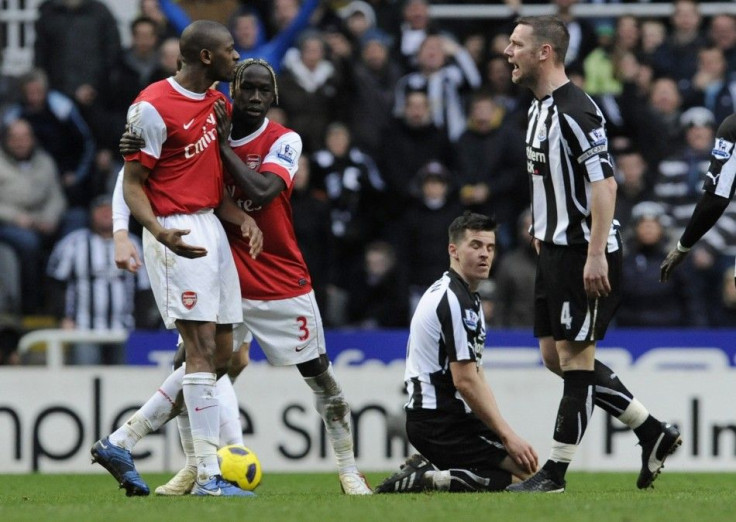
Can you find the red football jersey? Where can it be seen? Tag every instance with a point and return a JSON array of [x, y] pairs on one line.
[[279, 272], [180, 131]]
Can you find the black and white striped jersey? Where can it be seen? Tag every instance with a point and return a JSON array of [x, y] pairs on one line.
[[720, 180], [566, 151], [447, 326], [98, 294]]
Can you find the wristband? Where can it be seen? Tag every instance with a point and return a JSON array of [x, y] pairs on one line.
[[682, 249]]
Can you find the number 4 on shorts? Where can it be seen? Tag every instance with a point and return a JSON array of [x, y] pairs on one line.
[[565, 317]]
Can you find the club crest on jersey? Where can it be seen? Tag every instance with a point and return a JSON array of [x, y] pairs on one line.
[[598, 136], [253, 161], [287, 153], [722, 149], [471, 319], [542, 133], [189, 299]]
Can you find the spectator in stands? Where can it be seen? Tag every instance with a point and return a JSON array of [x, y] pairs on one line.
[[411, 141], [677, 57], [644, 301], [359, 18], [497, 81], [351, 184], [250, 42], [137, 67], [582, 35], [445, 72], [680, 177], [311, 218], [377, 292], [514, 290], [77, 44], [169, 56], [91, 292], [712, 87], [31, 205], [170, 18], [60, 129], [722, 34], [374, 79], [312, 90], [635, 182], [601, 65], [653, 34], [425, 229], [490, 156], [415, 26]]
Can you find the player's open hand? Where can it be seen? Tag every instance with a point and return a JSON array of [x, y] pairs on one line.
[[172, 239], [674, 258], [126, 254], [223, 121], [250, 230], [595, 276], [130, 143], [522, 453]]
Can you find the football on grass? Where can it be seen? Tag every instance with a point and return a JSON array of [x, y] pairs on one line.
[[240, 466]]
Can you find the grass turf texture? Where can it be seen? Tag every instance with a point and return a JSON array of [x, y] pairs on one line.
[[598, 497]]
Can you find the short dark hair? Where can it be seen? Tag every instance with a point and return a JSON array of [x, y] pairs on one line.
[[143, 20], [551, 30], [470, 221]]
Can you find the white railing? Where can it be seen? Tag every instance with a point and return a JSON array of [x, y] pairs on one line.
[[440, 11], [55, 339]]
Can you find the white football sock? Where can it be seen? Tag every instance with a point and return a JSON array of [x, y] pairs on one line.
[[152, 415], [204, 417], [185, 435], [335, 412], [231, 431]]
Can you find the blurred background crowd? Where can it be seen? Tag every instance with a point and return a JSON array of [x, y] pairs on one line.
[[406, 121]]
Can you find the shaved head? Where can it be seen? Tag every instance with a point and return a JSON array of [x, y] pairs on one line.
[[199, 35]]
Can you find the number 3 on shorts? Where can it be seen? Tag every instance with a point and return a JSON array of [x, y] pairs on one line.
[[303, 328], [565, 317]]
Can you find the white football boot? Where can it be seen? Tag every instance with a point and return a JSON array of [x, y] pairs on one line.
[[180, 484], [354, 483]]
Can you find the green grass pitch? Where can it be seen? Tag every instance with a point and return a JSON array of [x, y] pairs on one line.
[[597, 497]]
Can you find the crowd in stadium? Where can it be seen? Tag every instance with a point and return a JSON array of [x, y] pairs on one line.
[[405, 121]]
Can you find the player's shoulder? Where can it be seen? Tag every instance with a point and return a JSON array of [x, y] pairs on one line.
[[277, 130], [154, 91], [572, 100]]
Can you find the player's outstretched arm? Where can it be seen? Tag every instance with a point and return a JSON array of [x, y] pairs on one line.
[[709, 208], [471, 383]]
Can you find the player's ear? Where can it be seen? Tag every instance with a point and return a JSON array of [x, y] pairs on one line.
[[206, 56], [452, 250]]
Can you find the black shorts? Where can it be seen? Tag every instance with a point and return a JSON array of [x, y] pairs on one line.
[[562, 309], [455, 440]]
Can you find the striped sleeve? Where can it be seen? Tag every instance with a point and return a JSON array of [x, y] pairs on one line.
[[585, 132], [454, 334]]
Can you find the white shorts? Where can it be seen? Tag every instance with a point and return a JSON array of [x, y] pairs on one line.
[[202, 289], [289, 331]]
